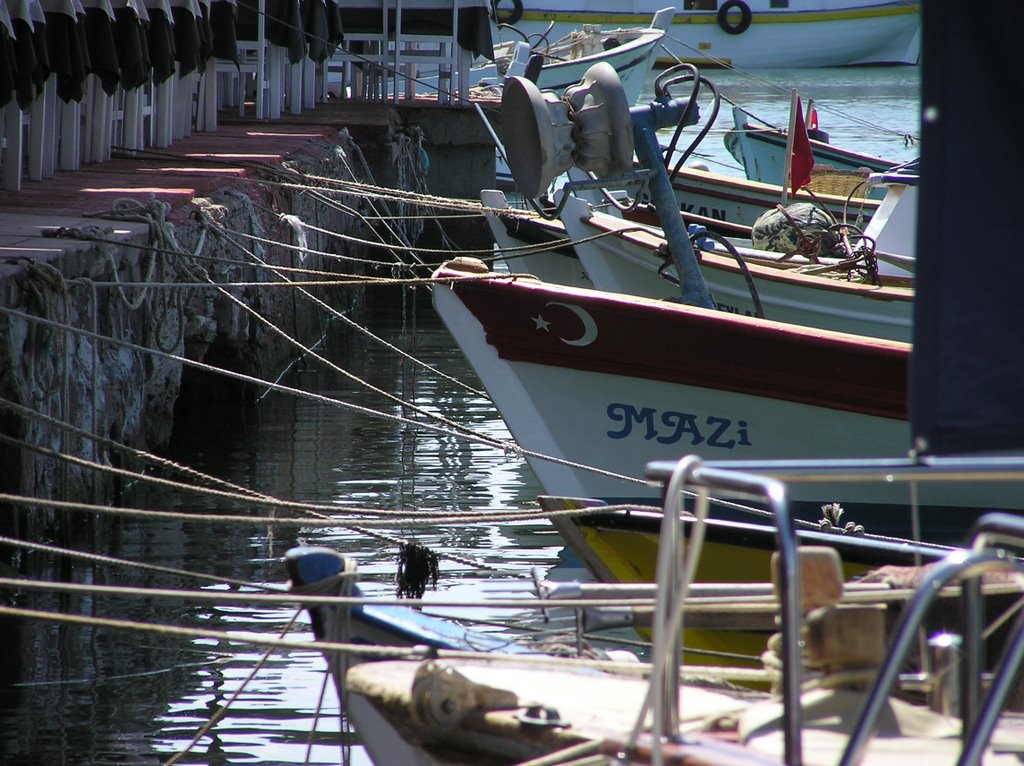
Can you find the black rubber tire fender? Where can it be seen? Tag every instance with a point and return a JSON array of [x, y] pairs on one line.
[[511, 17], [723, 17]]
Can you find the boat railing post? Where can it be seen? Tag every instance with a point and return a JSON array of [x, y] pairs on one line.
[[774, 492], [953, 568], [990, 530]]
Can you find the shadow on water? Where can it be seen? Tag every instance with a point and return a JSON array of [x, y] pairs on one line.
[[95, 695]]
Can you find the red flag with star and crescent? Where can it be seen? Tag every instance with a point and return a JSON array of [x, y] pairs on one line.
[[802, 159]]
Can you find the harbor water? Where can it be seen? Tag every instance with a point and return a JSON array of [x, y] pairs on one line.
[[117, 696]]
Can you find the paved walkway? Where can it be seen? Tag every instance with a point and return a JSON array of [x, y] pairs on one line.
[[190, 167]]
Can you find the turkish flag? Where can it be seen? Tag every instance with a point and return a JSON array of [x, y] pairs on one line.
[[803, 158]]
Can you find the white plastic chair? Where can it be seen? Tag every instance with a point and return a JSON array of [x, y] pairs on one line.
[[430, 54], [253, 65], [361, 65]]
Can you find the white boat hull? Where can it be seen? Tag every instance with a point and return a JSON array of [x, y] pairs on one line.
[[808, 33], [632, 61], [632, 264], [596, 385]]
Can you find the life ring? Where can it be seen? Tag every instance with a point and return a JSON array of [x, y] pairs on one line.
[[510, 17], [723, 17]]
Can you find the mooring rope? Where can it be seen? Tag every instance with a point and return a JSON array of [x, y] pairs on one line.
[[98, 558], [510, 447], [347, 320], [241, 493], [381, 519], [371, 651]]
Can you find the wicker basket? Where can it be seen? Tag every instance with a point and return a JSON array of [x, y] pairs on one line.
[[826, 179]]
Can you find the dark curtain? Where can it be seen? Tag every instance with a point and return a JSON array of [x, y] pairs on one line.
[[7, 67], [99, 39], [967, 377], [68, 54], [161, 45], [284, 27], [314, 21], [25, 64], [223, 19], [132, 48], [187, 43]]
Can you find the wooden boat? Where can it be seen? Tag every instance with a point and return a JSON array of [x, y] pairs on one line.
[[588, 248], [648, 378], [565, 58], [761, 150], [748, 34], [847, 194], [495, 709], [620, 257], [484, 711], [619, 545], [741, 201], [594, 385], [616, 255]]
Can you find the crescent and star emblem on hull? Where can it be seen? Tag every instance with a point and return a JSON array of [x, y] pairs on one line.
[[589, 334]]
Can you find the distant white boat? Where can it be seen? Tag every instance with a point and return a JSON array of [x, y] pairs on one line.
[[747, 34], [566, 58], [761, 150]]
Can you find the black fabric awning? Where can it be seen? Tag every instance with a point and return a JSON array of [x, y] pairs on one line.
[[99, 38], [26, 65], [314, 21], [132, 48], [7, 66], [967, 382], [187, 43], [284, 27], [160, 37], [69, 55], [223, 21]]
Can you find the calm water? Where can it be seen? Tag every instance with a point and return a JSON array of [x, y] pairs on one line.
[[105, 696], [870, 110]]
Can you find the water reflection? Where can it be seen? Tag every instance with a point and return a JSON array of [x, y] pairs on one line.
[[868, 109], [97, 695], [75, 695]]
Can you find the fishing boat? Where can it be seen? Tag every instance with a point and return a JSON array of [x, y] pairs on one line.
[[648, 377], [562, 61], [851, 195], [852, 709], [845, 192], [589, 248], [742, 201], [872, 267], [593, 385], [859, 704], [761, 151], [845, 292], [747, 34]]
